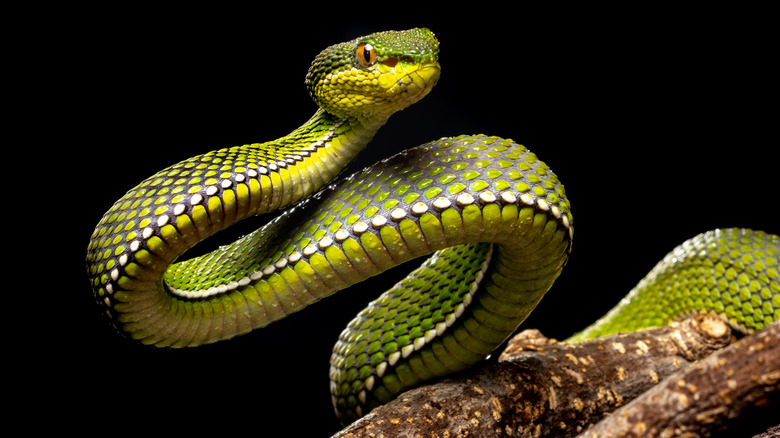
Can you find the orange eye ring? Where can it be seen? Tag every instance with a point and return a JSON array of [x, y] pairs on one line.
[[365, 54]]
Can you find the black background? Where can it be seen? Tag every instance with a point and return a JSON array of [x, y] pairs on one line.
[[659, 122]]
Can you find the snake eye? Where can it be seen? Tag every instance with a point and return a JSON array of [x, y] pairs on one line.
[[366, 54]]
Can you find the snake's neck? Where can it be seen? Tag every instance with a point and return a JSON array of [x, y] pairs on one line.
[[310, 156]]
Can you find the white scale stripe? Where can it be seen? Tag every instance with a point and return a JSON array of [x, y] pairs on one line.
[[442, 327], [271, 268], [378, 221]]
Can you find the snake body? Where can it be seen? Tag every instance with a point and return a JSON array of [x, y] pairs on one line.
[[493, 218]]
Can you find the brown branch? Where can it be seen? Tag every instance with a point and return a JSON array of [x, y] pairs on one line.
[[541, 387], [703, 398]]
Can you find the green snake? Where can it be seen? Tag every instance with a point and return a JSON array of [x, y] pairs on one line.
[[493, 219]]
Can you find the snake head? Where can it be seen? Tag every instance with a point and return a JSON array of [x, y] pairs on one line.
[[374, 76]]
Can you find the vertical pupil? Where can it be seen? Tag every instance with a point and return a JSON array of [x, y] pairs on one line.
[[367, 53]]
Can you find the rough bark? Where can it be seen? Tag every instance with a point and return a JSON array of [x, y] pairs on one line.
[[702, 399], [541, 387]]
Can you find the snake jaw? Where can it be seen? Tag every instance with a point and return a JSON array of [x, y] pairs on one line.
[[414, 81], [379, 93]]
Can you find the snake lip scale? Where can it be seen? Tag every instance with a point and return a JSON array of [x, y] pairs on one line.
[[492, 218]]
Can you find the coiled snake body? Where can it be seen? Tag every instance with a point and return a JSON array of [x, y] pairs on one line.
[[494, 218]]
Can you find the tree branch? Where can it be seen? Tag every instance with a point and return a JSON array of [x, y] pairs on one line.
[[703, 398], [544, 388]]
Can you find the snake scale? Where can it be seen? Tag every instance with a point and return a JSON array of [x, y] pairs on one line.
[[493, 219]]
